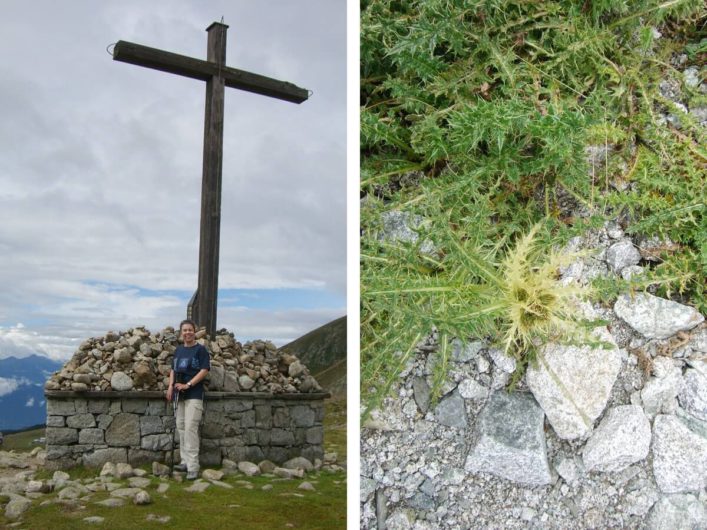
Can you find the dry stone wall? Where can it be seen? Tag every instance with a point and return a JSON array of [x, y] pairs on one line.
[[107, 404], [92, 428]]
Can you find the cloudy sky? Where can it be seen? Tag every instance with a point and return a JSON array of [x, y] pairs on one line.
[[100, 171]]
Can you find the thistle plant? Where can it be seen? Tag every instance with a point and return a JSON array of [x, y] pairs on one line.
[[511, 294]]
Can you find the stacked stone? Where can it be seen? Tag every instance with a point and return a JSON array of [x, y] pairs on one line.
[[137, 360], [140, 430]]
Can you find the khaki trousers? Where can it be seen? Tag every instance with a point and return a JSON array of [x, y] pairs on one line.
[[189, 413]]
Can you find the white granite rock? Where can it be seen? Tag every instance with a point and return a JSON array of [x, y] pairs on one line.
[[509, 440], [17, 506], [654, 317], [248, 468], [622, 438], [677, 512], [569, 469], [693, 394], [572, 384], [622, 254], [121, 381], [679, 456], [470, 389], [659, 394], [402, 227], [504, 362], [142, 498]]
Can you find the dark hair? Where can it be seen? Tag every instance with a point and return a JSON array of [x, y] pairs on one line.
[[187, 321]]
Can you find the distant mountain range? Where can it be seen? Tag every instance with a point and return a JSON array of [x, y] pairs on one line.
[[323, 351], [22, 391]]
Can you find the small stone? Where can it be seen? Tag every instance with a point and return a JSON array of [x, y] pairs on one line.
[[654, 317], [221, 484], [266, 466], [298, 463], [198, 487], [679, 456], [249, 469], [139, 482], [295, 369], [123, 470], [111, 502], [568, 469], [142, 498], [108, 470], [451, 411], [125, 492], [465, 352], [622, 438], [121, 382], [69, 492], [509, 440], [693, 395], [288, 473], [470, 389], [504, 362], [482, 364], [633, 271], [307, 486], [164, 519], [17, 506], [160, 470], [245, 382], [677, 512], [212, 474], [622, 254], [421, 393], [572, 383], [94, 519]]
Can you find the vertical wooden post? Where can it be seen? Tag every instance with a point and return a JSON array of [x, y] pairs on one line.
[[207, 290]]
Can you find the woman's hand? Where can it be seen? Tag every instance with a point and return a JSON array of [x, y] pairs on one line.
[[168, 394]]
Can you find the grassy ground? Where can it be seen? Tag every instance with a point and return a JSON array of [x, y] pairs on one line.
[[21, 441], [335, 428], [283, 506]]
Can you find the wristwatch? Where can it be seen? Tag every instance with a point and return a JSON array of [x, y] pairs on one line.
[[189, 385]]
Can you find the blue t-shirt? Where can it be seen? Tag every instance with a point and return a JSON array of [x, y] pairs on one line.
[[187, 362]]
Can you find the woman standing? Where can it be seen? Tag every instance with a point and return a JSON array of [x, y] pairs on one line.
[[189, 368]]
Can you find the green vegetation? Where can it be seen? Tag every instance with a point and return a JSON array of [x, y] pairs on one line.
[[284, 506], [320, 348], [335, 428], [22, 441], [476, 116]]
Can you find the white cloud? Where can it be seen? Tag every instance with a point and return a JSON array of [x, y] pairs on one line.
[[30, 402], [7, 386]]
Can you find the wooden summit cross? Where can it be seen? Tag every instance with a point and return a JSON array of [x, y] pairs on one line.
[[202, 306]]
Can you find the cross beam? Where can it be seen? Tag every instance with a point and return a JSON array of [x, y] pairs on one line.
[[173, 63], [217, 75]]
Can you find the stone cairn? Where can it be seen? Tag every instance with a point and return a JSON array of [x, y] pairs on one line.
[[137, 360]]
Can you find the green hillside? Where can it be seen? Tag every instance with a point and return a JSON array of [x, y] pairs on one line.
[[321, 348]]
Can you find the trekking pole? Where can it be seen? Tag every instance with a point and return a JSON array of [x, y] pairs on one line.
[[175, 405]]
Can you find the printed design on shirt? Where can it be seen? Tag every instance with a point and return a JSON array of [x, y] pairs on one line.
[[182, 364]]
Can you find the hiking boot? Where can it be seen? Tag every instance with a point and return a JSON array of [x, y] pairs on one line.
[[192, 475], [180, 467]]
